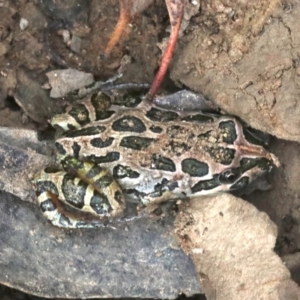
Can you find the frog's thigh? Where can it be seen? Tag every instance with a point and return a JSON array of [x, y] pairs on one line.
[[103, 196]]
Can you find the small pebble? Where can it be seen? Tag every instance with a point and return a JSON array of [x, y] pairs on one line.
[[23, 24]]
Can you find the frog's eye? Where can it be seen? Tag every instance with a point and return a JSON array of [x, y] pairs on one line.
[[229, 176]]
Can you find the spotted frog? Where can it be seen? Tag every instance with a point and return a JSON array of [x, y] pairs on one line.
[[136, 150]]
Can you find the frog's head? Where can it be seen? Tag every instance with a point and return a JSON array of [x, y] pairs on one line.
[[254, 162], [238, 160], [248, 176]]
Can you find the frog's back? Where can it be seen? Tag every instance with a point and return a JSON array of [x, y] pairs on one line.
[[146, 148]]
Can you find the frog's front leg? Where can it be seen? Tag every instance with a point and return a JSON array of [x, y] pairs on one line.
[[85, 187]]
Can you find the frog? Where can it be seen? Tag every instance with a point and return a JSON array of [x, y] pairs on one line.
[[138, 151]]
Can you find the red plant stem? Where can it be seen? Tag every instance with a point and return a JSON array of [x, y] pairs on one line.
[[175, 20], [119, 28]]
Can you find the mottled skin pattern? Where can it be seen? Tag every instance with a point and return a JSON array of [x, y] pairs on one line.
[[153, 155]]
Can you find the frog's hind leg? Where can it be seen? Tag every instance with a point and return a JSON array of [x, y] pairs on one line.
[[104, 197], [53, 188], [48, 187]]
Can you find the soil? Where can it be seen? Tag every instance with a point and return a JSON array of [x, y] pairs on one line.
[[243, 57]]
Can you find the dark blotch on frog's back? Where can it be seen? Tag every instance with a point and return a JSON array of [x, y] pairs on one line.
[[155, 129], [136, 142], [157, 115], [103, 115], [134, 192], [109, 157], [121, 171], [163, 163], [248, 163], [101, 104], [93, 130], [129, 124], [99, 143], [80, 113], [178, 148], [194, 167], [131, 99], [229, 132], [221, 155]]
